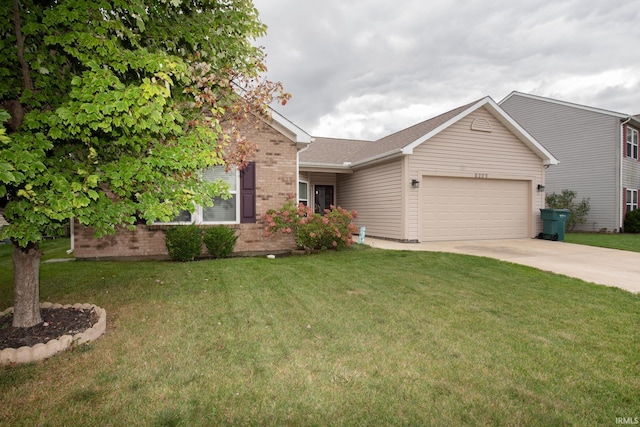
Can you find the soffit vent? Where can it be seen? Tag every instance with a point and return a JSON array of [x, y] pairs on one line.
[[481, 125]]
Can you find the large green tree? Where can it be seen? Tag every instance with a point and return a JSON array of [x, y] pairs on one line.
[[110, 110]]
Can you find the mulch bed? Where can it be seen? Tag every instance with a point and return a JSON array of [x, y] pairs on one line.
[[56, 323]]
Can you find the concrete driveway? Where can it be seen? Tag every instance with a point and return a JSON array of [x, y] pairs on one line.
[[609, 267]]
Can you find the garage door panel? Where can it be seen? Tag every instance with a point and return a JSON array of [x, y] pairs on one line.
[[464, 208]]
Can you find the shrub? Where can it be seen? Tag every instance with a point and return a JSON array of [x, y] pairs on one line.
[[184, 243], [577, 211], [333, 230], [220, 240], [632, 221]]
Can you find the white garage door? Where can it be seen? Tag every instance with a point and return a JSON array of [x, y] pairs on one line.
[[468, 209]]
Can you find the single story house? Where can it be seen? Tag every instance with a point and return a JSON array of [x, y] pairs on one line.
[[470, 173], [597, 149], [265, 184]]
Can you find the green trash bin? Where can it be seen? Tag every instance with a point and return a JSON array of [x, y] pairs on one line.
[[554, 222]]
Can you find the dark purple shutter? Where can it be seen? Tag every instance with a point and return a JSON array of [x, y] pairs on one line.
[[624, 140], [248, 194]]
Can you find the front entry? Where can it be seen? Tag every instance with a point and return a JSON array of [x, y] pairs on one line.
[[323, 198]]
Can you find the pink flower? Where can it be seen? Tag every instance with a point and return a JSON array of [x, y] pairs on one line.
[[287, 230], [334, 243], [312, 235]]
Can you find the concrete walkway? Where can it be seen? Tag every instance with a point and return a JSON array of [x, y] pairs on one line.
[[609, 267]]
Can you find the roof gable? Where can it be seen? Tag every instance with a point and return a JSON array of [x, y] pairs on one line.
[[288, 128], [397, 143], [339, 152]]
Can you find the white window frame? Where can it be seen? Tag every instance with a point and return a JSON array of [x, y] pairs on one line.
[[632, 200], [303, 198], [234, 192], [632, 143], [197, 216]]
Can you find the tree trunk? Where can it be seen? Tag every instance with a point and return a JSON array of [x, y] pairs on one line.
[[26, 286]]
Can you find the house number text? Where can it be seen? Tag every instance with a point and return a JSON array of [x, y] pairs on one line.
[[482, 175]]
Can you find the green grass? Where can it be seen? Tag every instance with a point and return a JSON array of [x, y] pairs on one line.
[[625, 242], [362, 337]]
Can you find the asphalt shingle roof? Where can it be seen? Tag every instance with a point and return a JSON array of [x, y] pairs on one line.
[[332, 151], [338, 151]]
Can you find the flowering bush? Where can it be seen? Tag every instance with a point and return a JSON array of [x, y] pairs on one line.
[[333, 230]]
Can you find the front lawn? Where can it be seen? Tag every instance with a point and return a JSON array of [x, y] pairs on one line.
[[361, 337], [623, 241]]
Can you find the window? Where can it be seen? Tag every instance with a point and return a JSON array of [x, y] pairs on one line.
[[632, 200], [223, 210], [303, 193], [632, 143]]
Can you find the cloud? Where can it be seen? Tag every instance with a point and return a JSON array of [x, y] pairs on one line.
[[361, 69]]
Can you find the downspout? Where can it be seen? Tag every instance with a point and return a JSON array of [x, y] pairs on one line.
[[72, 235], [298, 174], [621, 154]]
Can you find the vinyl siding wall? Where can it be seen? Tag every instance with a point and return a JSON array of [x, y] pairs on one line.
[[587, 145], [376, 193], [462, 152]]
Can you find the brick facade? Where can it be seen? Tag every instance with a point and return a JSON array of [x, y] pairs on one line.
[[276, 179]]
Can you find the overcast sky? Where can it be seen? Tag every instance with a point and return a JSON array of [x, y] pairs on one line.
[[365, 68]]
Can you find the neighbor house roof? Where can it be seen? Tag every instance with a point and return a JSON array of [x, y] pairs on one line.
[[622, 116], [342, 153]]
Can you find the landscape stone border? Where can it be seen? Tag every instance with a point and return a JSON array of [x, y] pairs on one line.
[[43, 351]]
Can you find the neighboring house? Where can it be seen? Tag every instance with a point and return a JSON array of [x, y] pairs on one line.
[[265, 184], [597, 150], [471, 173]]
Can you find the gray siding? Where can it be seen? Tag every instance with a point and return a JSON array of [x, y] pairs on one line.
[[587, 145], [375, 192]]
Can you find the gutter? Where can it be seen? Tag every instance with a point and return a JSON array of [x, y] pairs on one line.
[[298, 172], [380, 157], [345, 165]]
